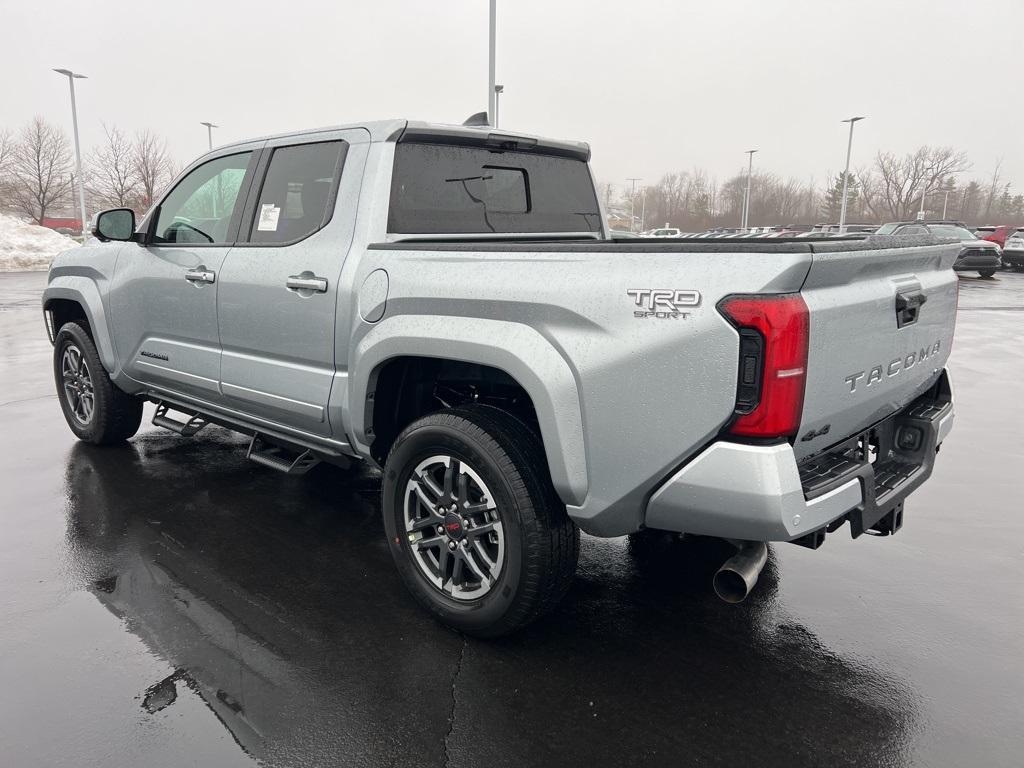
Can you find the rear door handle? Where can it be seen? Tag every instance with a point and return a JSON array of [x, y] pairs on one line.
[[306, 283], [200, 275]]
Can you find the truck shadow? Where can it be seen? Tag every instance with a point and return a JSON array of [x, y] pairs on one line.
[[274, 600]]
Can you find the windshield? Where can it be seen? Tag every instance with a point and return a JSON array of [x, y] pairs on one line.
[[951, 230], [886, 229]]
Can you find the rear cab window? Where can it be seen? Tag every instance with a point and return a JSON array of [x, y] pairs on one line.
[[439, 189]]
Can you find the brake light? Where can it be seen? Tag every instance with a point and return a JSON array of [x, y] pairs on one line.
[[773, 363]]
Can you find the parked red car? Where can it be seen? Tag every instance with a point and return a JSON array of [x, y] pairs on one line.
[[996, 234], [66, 225]]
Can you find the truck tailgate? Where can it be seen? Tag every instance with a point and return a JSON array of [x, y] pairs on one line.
[[881, 326]]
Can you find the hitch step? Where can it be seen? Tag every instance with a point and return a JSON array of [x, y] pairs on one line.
[[280, 458], [187, 428]]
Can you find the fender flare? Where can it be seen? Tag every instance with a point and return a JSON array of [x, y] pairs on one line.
[[518, 350], [86, 294]]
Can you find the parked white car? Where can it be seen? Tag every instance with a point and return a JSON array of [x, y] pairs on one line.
[[665, 232], [1013, 251]]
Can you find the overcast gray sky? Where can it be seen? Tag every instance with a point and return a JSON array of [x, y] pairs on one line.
[[653, 86]]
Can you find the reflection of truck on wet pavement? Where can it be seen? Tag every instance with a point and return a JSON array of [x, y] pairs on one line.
[[444, 301]]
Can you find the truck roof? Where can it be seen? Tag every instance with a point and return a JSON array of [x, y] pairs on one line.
[[399, 130]]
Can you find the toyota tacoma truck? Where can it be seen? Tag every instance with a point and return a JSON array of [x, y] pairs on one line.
[[445, 303]]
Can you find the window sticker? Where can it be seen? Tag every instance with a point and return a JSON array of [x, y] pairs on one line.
[[269, 214]]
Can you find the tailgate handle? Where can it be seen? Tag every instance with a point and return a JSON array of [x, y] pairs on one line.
[[908, 307]]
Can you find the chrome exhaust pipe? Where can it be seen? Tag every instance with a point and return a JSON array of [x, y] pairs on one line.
[[738, 575]]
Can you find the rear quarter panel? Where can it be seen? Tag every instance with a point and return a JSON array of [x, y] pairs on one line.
[[622, 400]]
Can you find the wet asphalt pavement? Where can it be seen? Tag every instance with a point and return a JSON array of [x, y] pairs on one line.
[[168, 603]]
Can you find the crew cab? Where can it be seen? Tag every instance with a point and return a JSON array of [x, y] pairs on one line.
[[445, 302], [976, 255]]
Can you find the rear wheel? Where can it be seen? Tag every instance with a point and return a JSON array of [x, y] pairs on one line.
[[986, 272], [96, 410], [476, 529]]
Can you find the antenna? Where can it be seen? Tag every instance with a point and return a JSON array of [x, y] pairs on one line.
[[480, 118]]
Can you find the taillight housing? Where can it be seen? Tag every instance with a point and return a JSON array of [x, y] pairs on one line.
[[774, 331]]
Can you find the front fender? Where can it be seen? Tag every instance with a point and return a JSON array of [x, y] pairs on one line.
[[518, 350], [83, 290]]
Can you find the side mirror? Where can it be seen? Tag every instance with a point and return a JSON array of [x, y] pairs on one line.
[[115, 224]]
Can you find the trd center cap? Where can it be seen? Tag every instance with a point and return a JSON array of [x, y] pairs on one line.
[[453, 526]]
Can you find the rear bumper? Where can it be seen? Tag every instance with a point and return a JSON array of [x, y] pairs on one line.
[[760, 492], [1014, 257]]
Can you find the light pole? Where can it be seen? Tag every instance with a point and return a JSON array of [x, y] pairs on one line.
[[846, 175], [498, 90], [746, 199], [72, 76], [945, 204], [209, 132], [492, 92], [632, 203]]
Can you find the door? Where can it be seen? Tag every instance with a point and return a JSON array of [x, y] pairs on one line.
[[163, 300], [279, 290]]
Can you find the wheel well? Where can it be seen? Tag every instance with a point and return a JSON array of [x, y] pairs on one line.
[[63, 311], [406, 388]]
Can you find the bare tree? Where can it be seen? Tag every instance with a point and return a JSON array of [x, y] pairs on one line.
[[902, 181], [6, 150], [6, 156], [40, 169], [994, 187], [112, 168], [152, 165]]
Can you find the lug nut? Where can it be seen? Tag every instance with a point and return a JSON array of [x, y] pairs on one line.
[[440, 529], [451, 545]]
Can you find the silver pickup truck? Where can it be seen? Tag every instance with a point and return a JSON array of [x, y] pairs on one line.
[[445, 302]]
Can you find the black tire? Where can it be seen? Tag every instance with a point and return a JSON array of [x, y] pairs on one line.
[[114, 416], [541, 544], [986, 272]]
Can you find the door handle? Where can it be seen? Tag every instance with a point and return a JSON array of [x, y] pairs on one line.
[[304, 282], [200, 275]]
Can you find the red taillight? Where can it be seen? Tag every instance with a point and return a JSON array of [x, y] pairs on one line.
[[782, 323]]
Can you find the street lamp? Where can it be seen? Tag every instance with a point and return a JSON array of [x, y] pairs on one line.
[[492, 89], [72, 76], [746, 199], [846, 175], [632, 203], [498, 90], [209, 132]]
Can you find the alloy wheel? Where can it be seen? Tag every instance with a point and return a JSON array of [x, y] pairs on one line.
[[453, 527], [78, 388]]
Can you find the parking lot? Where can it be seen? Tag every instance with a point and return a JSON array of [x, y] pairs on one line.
[[169, 603]]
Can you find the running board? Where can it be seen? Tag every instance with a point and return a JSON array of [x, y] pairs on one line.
[[184, 428], [280, 458]]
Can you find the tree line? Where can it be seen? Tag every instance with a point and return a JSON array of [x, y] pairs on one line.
[[890, 188], [37, 170]]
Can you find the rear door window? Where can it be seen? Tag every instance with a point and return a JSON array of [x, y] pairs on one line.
[[298, 191], [438, 189]]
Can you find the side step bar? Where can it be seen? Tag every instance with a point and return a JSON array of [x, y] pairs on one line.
[[280, 458], [187, 428]]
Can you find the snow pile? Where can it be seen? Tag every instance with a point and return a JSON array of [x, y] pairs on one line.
[[28, 246]]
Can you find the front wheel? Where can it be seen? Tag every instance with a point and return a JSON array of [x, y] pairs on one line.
[[95, 409], [476, 529], [986, 272]]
